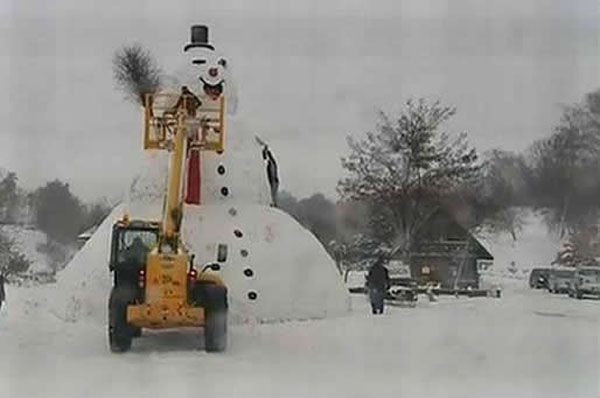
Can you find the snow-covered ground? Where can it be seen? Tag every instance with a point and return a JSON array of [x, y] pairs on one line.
[[527, 344]]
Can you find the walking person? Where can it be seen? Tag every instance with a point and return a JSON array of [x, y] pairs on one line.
[[378, 283], [2, 292], [272, 174]]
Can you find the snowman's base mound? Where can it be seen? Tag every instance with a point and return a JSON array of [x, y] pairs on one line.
[[275, 270]]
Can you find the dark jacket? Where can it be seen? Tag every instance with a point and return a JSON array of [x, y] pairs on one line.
[[378, 278], [272, 173], [136, 254], [2, 293]]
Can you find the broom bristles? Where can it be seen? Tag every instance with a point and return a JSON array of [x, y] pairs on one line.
[[136, 72]]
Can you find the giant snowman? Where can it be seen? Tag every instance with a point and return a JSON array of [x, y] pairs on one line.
[[274, 268]]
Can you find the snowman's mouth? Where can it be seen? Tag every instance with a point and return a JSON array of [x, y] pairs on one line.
[[213, 90]]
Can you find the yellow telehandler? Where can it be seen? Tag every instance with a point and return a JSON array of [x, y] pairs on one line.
[[156, 284]]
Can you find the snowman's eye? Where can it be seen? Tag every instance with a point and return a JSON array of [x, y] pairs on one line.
[[198, 61], [222, 62]]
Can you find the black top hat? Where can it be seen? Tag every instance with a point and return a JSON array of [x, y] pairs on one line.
[[199, 38]]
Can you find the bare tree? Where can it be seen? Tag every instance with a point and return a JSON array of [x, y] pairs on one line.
[[405, 168], [566, 169], [136, 72], [503, 187], [9, 198]]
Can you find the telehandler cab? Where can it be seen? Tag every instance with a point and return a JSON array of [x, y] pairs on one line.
[[155, 291]]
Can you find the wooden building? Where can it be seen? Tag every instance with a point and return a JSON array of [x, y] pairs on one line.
[[444, 251]]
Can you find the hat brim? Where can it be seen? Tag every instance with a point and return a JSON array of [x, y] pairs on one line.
[[198, 45]]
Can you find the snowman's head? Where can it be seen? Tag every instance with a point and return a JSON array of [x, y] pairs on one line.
[[207, 69]]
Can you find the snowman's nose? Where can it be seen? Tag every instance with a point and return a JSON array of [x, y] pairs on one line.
[[213, 72]]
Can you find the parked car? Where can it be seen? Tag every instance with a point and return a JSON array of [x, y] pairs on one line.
[[403, 291], [560, 280], [586, 282], [539, 278], [403, 288]]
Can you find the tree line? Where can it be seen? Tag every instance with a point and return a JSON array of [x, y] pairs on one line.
[[53, 209]]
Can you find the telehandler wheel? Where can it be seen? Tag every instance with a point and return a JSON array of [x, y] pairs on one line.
[[215, 327], [120, 332], [215, 331], [137, 332]]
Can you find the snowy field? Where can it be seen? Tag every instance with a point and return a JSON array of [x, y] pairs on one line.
[[527, 344]]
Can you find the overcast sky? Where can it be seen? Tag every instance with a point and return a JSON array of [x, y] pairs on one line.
[[308, 74]]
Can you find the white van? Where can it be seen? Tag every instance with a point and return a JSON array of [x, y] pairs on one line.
[[560, 279], [586, 281]]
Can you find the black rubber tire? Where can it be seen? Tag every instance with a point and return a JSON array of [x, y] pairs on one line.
[[120, 332], [215, 331], [215, 325], [137, 332]]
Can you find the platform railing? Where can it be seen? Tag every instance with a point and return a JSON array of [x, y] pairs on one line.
[[202, 118]]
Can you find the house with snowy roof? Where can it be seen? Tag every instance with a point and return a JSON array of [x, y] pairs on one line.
[[443, 251]]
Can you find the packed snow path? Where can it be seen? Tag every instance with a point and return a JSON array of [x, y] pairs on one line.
[[528, 344]]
